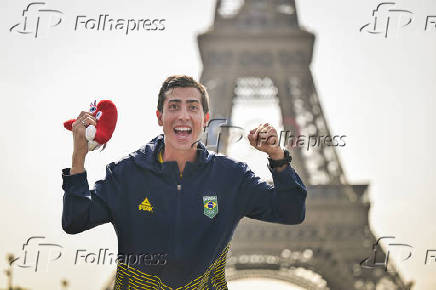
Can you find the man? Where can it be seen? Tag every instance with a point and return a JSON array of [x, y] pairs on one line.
[[175, 205]]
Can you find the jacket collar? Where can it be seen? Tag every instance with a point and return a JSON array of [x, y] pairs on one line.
[[147, 156]]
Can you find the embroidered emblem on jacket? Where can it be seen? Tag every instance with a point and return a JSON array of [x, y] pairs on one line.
[[210, 206], [145, 205]]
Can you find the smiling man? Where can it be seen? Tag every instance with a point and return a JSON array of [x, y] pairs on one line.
[[174, 204]]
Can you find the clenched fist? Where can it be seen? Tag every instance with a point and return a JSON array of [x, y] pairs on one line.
[[264, 138], [80, 143]]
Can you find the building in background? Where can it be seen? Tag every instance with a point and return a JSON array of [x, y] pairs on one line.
[[257, 55]]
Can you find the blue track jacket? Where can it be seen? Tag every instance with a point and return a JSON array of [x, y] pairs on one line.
[[174, 232]]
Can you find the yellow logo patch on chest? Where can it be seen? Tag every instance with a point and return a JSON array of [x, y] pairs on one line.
[[145, 205]]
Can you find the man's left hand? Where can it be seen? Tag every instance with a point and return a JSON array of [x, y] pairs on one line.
[[264, 138]]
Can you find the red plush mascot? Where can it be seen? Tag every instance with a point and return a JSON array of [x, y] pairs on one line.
[[106, 114]]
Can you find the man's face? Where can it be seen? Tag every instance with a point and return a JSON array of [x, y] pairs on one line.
[[182, 117]]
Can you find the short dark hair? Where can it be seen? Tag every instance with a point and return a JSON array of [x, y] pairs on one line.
[[182, 81]]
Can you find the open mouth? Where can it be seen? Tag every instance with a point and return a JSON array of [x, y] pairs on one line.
[[183, 131]]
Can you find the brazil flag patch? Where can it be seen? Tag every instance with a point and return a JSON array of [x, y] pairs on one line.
[[210, 206]]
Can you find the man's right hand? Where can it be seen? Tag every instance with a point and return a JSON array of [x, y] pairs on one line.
[[80, 143]]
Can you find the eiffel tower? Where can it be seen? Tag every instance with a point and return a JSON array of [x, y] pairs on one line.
[[257, 51]]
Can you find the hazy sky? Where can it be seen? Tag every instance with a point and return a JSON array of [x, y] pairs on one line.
[[378, 91]]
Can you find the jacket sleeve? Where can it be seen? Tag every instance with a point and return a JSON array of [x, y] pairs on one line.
[[84, 209], [283, 203]]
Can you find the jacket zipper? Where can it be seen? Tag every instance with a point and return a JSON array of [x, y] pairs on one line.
[[177, 221]]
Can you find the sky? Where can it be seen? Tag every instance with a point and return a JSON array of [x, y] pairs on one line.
[[379, 91]]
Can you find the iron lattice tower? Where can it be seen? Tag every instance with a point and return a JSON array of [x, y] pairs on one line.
[[258, 49]]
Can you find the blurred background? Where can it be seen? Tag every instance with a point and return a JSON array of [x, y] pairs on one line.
[[373, 75]]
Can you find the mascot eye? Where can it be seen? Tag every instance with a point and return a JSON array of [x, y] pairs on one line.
[[98, 116], [92, 110]]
